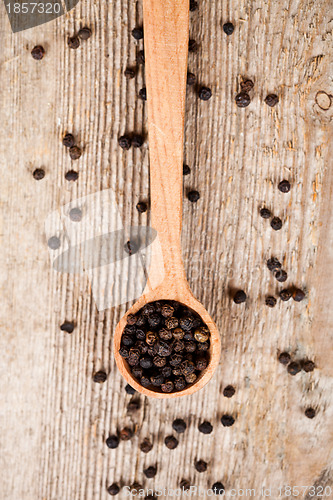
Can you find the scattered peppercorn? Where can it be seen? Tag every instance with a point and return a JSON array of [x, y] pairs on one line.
[[125, 142], [113, 489], [186, 170], [137, 141], [75, 152], [54, 243], [68, 140], [228, 28], [276, 223], [143, 93], [73, 42], [247, 85], [284, 358], [129, 389], [280, 275], [242, 99], [205, 93], [137, 33], [193, 196], [38, 174], [310, 412], [141, 207], [150, 472], [218, 488], [239, 297], [190, 79], [193, 5], [205, 427], [200, 465], [270, 301], [185, 484], [67, 326], [126, 434], [308, 365], [285, 295], [71, 175], [273, 264], [284, 186], [265, 213], [146, 446], [85, 33], [130, 73], [112, 442], [179, 425], [38, 52], [271, 100], [294, 367], [229, 391], [100, 377], [171, 442], [75, 214], [227, 420], [140, 58], [192, 46], [298, 295]]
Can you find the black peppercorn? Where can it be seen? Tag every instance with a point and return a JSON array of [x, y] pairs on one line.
[[193, 196], [280, 275], [125, 142], [157, 380], [298, 295], [227, 420], [239, 297], [168, 385], [124, 352], [192, 46], [285, 295], [130, 73], [140, 58], [273, 264], [178, 346], [203, 346], [133, 356], [242, 99], [137, 141], [113, 489], [247, 85], [38, 52], [143, 94], [179, 425], [284, 186], [171, 442], [284, 358], [294, 367], [193, 5], [137, 33], [100, 377], [271, 100], [54, 243], [146, 446], [73, 42], [129, 389], [75, 152], [165, 334], [137, 371], [112, 442], [310, 412], [201, 466], [154, 320], [171, 323], [229, 391], [68, 140], [159, 361], [265, 213], [141, 207], [146, 362], [228, 28], [186, 170], [205, 93], [218, 488], [126, 434], [190, 79], [166, 371], [307, 365], [71, 175], [167, 311], [270, 301], [67, 326], [186, 323], [176, 359], [190, 346], [84, 33], [187, 367], [205, 427], [150, 472], [180, 383], [38, 174]]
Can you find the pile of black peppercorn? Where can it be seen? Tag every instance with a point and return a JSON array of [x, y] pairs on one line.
[[166, 346]]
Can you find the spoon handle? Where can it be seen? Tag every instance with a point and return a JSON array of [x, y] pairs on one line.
[[166, 33]]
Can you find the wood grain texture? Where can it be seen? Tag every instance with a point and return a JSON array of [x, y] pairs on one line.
[[54, 418]]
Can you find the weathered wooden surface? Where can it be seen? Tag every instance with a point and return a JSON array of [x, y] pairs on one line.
[[54, 418]]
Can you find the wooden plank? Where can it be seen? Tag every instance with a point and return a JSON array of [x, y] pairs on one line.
[[54, 418]]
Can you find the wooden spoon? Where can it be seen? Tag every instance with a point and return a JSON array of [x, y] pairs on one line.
[[166, 35]]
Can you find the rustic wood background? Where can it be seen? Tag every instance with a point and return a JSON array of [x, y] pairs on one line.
[[54, 418]]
